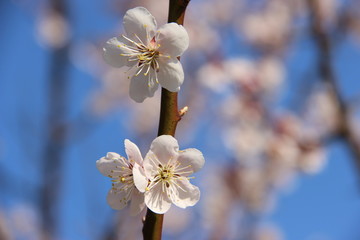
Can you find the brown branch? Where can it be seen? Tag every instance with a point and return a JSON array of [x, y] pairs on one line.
[[169, 117], [327, 73]]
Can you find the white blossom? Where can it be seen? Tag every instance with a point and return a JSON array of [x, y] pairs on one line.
[[150, 54], [120, 170], [165, 176]]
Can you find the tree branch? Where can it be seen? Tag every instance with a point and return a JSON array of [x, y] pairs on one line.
[[169, 117], [323, 43]]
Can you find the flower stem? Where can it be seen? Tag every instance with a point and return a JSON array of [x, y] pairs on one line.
[[169, 117]]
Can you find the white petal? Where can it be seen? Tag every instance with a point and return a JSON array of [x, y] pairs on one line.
[[150, 165], [140, 89], [106, 164], [112, 53], [157, 201], [118, 199], [184, 194], [140, 179], [139, 21], [133, 152], [191, 157], [165, 147], [173, 39], [137, 202], [171, 74]]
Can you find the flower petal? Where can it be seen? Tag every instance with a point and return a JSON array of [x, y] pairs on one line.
[[118, 199], [140, 179], [156, 200], [165, 147], [137, 202], [140, 88], [184, 194], [191, 157], [150, 164], [106, 164], [112, 53], [171, 74], [133, 152], [139, 21], [173, 39]]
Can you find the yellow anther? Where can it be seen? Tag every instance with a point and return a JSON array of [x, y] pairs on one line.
[[122, 179], [141, 57], [147, 189]]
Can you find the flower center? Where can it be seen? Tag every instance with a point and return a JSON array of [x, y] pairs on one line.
[[145, 57], [122, 176], [166, 173]]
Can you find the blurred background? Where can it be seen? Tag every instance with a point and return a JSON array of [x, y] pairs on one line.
[[273, 93]]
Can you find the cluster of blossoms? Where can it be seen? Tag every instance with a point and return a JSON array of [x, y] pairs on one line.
[[157, 181], [162, 178]]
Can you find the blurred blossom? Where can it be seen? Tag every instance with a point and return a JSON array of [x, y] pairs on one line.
[[322, 112], [246, 142], [218, 199], [284, 149], [282, 154], [157, 11], [353, 24], [268, 232], [354, 123], [237, 110], [87, 57], [270, 73], [252, 77], [218, 12], [5, 233], [128, 228], [213, 76], [24, 221], [112, 94], [242, 72], [176, 220], [53, 29], [254, 190], [269, 28], [145, 117], [327, 10], [201, 35], [312, 161], [288, 125]]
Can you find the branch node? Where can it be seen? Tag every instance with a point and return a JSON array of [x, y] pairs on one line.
[[183, 111]]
